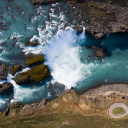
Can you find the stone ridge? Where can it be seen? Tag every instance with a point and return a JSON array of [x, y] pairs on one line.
[[100, 17]]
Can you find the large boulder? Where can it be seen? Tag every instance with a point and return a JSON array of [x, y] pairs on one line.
[[33, 75], [33, 59], [5, 87], [3, 72], [15, 69]]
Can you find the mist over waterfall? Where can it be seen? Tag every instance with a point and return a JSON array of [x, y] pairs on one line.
[[63, 59]]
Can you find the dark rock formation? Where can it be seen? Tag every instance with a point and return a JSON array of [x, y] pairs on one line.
[[102, 17], [5, 87], [43, 1], [34, 43], [33, 59], [3, 72], [34, 75], [15, 69]]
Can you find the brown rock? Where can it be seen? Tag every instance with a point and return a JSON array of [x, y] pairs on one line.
[[15, 69], [34, 43], [3, 72], [99, 53], [5, 87]]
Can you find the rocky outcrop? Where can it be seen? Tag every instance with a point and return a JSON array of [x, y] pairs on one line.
[[33, 75], [69, 100], [5, 87], [33, 59], [12, 109], [99, 53], [102, 17], [15, 69], [3, 72], [34, 43]]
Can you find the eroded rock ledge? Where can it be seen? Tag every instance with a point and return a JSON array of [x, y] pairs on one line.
[[100, 17], [86, 103]]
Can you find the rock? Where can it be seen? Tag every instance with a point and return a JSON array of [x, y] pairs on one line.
[[3, 72], [99, 53], [101, 17], [34, 43], [13, 109], [79, 29], [97, 30], [43, 1], [33, 59], [33, 75], [66, 12], [15, 69], [5, 87]]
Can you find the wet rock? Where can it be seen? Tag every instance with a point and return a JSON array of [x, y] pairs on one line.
[[15, 69], [33, 59], [43, 1], [66, 12], [101, 17], [5, 87], [79, 29], [3, 72], [99, 53], [33, 75], [4, 26], [97, 30], [34, 43]]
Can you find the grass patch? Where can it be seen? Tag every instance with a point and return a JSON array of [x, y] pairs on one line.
[[118, 110]]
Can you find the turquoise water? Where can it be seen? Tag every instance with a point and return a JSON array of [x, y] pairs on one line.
[[64, 51]]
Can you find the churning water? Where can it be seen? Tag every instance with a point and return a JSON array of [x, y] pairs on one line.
[[64, 50]]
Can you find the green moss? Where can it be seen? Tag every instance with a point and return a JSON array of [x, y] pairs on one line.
[[118, 110], [34, 75], [33, 59], [38, 73], [15, 69]]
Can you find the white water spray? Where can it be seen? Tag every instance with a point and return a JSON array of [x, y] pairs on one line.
[[62, 57]]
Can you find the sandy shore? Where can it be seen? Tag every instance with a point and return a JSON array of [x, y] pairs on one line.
[[106, 88]]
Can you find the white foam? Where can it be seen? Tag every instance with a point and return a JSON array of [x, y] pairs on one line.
[[62, 57], [17, 35], [2, 102], [25, 94]]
